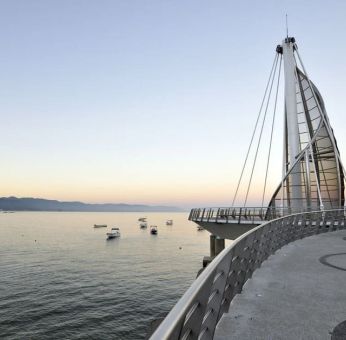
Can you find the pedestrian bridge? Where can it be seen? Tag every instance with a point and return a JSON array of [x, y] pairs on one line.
[[198, 312]]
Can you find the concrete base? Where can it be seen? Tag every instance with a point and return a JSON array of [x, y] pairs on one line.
[[207, 260], [227, 230]]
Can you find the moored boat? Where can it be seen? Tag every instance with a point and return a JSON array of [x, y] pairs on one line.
[[153, 230], [115, 232], [169, 222], [100, 225], [143, 225]]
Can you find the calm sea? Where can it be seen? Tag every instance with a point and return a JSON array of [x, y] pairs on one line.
[[61, 279]]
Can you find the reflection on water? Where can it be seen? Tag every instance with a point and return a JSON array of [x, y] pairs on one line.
[[61, 278]]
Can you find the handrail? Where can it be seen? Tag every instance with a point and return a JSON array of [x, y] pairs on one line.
[[250, 215], [196, 314]]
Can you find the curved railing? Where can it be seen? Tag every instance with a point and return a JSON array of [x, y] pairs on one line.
[[226, 214], [254, 215], [196, 314]]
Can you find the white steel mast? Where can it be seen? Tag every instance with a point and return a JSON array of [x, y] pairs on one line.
[[291, 121]]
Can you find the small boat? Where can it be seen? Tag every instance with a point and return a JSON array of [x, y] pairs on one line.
[[100, 225], [169, 222], [199, 228], [143, 225], [153, 229], [113, 234], [142, 219]]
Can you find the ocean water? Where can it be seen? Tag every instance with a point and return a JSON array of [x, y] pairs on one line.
[[61, 279]]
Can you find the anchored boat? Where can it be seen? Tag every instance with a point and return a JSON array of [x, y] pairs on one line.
[[114, 233], [153, 230], [100, 225], [143, 225]]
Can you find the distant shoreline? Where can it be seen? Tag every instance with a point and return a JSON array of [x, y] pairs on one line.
[[91, 211], [30, 204]]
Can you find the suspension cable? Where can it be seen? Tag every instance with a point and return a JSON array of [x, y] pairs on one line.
[[272, 130], [260, 135], [254, 131]]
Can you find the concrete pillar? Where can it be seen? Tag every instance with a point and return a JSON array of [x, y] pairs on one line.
[[219, 245], [212, 245]]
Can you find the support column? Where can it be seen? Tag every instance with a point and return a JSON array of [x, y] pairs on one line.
[[212, 245], [219, 245]]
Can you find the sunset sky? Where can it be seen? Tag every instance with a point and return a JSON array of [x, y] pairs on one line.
[[152, 102]]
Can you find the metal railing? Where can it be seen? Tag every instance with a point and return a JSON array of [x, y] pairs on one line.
[[254, 215], [196, 314]]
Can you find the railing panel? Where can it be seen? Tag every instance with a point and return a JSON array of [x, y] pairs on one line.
[[196, 313]]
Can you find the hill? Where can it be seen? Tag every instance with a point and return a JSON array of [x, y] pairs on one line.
[[40, 204]]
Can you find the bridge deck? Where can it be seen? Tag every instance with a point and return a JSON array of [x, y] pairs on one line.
[[298, 293]]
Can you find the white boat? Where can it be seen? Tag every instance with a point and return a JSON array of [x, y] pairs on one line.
[[100, 225], [153, 229], [169, 222], [142, 219], [143, 225], [115, 232]]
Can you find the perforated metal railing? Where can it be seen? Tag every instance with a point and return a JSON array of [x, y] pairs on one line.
[[196, 314], [255, 215], [232, 215]]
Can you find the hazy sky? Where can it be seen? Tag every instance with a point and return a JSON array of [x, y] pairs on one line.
[[151, 101]]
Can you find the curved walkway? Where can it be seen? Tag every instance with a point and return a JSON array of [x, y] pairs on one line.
[[297, 293]]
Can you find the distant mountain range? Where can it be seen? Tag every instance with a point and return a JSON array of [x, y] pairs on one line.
[[40, 204]]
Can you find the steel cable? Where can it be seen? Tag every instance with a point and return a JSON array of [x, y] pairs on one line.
[[260, 136], [254, 131], [271, 133]]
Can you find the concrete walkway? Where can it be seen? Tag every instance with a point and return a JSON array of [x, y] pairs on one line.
[[298, 293]]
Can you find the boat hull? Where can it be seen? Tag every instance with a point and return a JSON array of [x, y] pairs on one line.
[[110, 237]]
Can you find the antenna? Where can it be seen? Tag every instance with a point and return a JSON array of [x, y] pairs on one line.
[[286, 27]]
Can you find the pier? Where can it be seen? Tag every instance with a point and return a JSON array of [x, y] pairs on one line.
[[283, 276]]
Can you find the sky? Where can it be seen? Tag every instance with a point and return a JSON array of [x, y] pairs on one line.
[[152, 102]]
